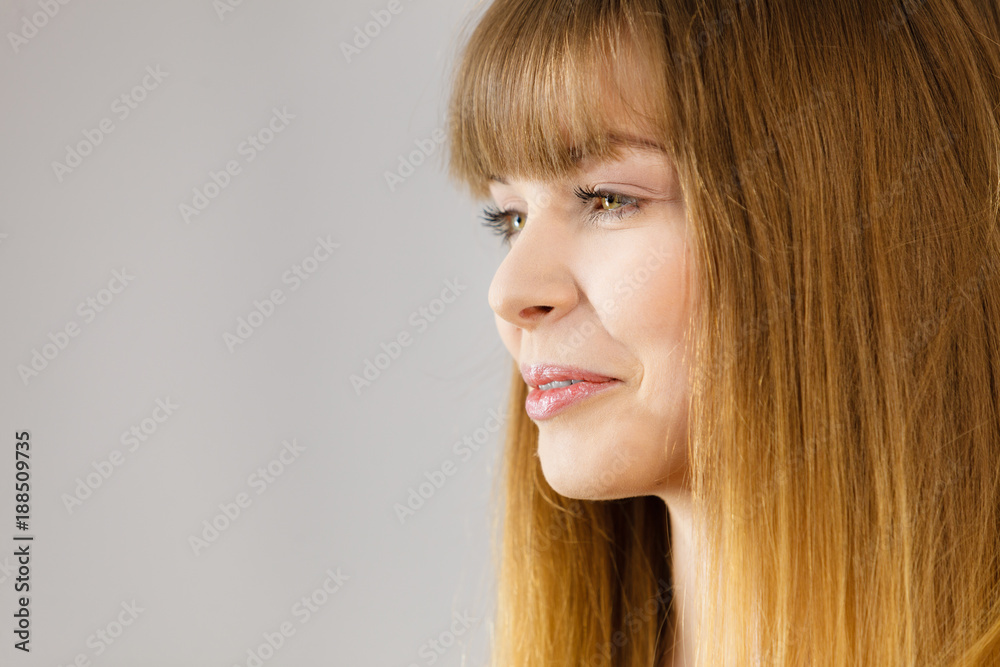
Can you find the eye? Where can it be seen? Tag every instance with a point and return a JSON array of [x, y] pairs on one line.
[[612, 203], [507, 223], [503, 223]]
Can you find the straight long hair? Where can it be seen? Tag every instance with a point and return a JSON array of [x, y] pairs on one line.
[[840, 164]]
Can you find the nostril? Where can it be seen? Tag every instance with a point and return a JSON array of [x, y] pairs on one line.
[[536, 310]]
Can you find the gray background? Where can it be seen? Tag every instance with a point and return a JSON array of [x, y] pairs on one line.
[[162, 337]]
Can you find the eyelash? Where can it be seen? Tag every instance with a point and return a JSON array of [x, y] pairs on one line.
[[497, 219]]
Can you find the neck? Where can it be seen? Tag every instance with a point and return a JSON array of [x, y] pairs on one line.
[[683, 566]]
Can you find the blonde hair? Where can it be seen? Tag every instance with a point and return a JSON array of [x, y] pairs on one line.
[[840, 164]]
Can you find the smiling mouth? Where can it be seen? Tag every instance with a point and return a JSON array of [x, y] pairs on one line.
[[549, 376], [548, 400], [558, 384], [555, 388]]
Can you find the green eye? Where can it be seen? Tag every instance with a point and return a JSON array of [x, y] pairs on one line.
[[503, 223], [613, 204], [609, 198]]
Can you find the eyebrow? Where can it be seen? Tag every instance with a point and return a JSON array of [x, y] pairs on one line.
[[613, 138]]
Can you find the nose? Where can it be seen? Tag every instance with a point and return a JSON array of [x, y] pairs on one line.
[[534, 283]]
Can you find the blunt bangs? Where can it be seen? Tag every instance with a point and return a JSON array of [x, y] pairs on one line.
[[542, 84]]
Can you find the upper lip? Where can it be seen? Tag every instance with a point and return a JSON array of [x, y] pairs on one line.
[[538, 374]]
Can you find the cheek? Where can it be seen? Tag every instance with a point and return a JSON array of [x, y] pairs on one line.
[[652, 316], [644, 300], [661, 306]]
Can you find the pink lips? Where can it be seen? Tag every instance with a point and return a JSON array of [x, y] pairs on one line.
[[546, 403]]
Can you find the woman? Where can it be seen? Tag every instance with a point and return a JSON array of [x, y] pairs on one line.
[[752, 298]]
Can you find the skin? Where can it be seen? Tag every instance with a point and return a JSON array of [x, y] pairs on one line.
[[580, 287]]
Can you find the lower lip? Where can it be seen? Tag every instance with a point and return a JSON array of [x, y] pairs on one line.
[[544, 404]]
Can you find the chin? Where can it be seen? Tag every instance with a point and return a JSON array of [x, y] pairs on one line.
[[598, 466]]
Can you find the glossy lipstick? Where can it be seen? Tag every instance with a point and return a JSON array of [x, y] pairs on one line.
[[547, 403]]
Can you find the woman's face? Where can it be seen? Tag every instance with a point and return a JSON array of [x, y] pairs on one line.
[[596, 288]]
